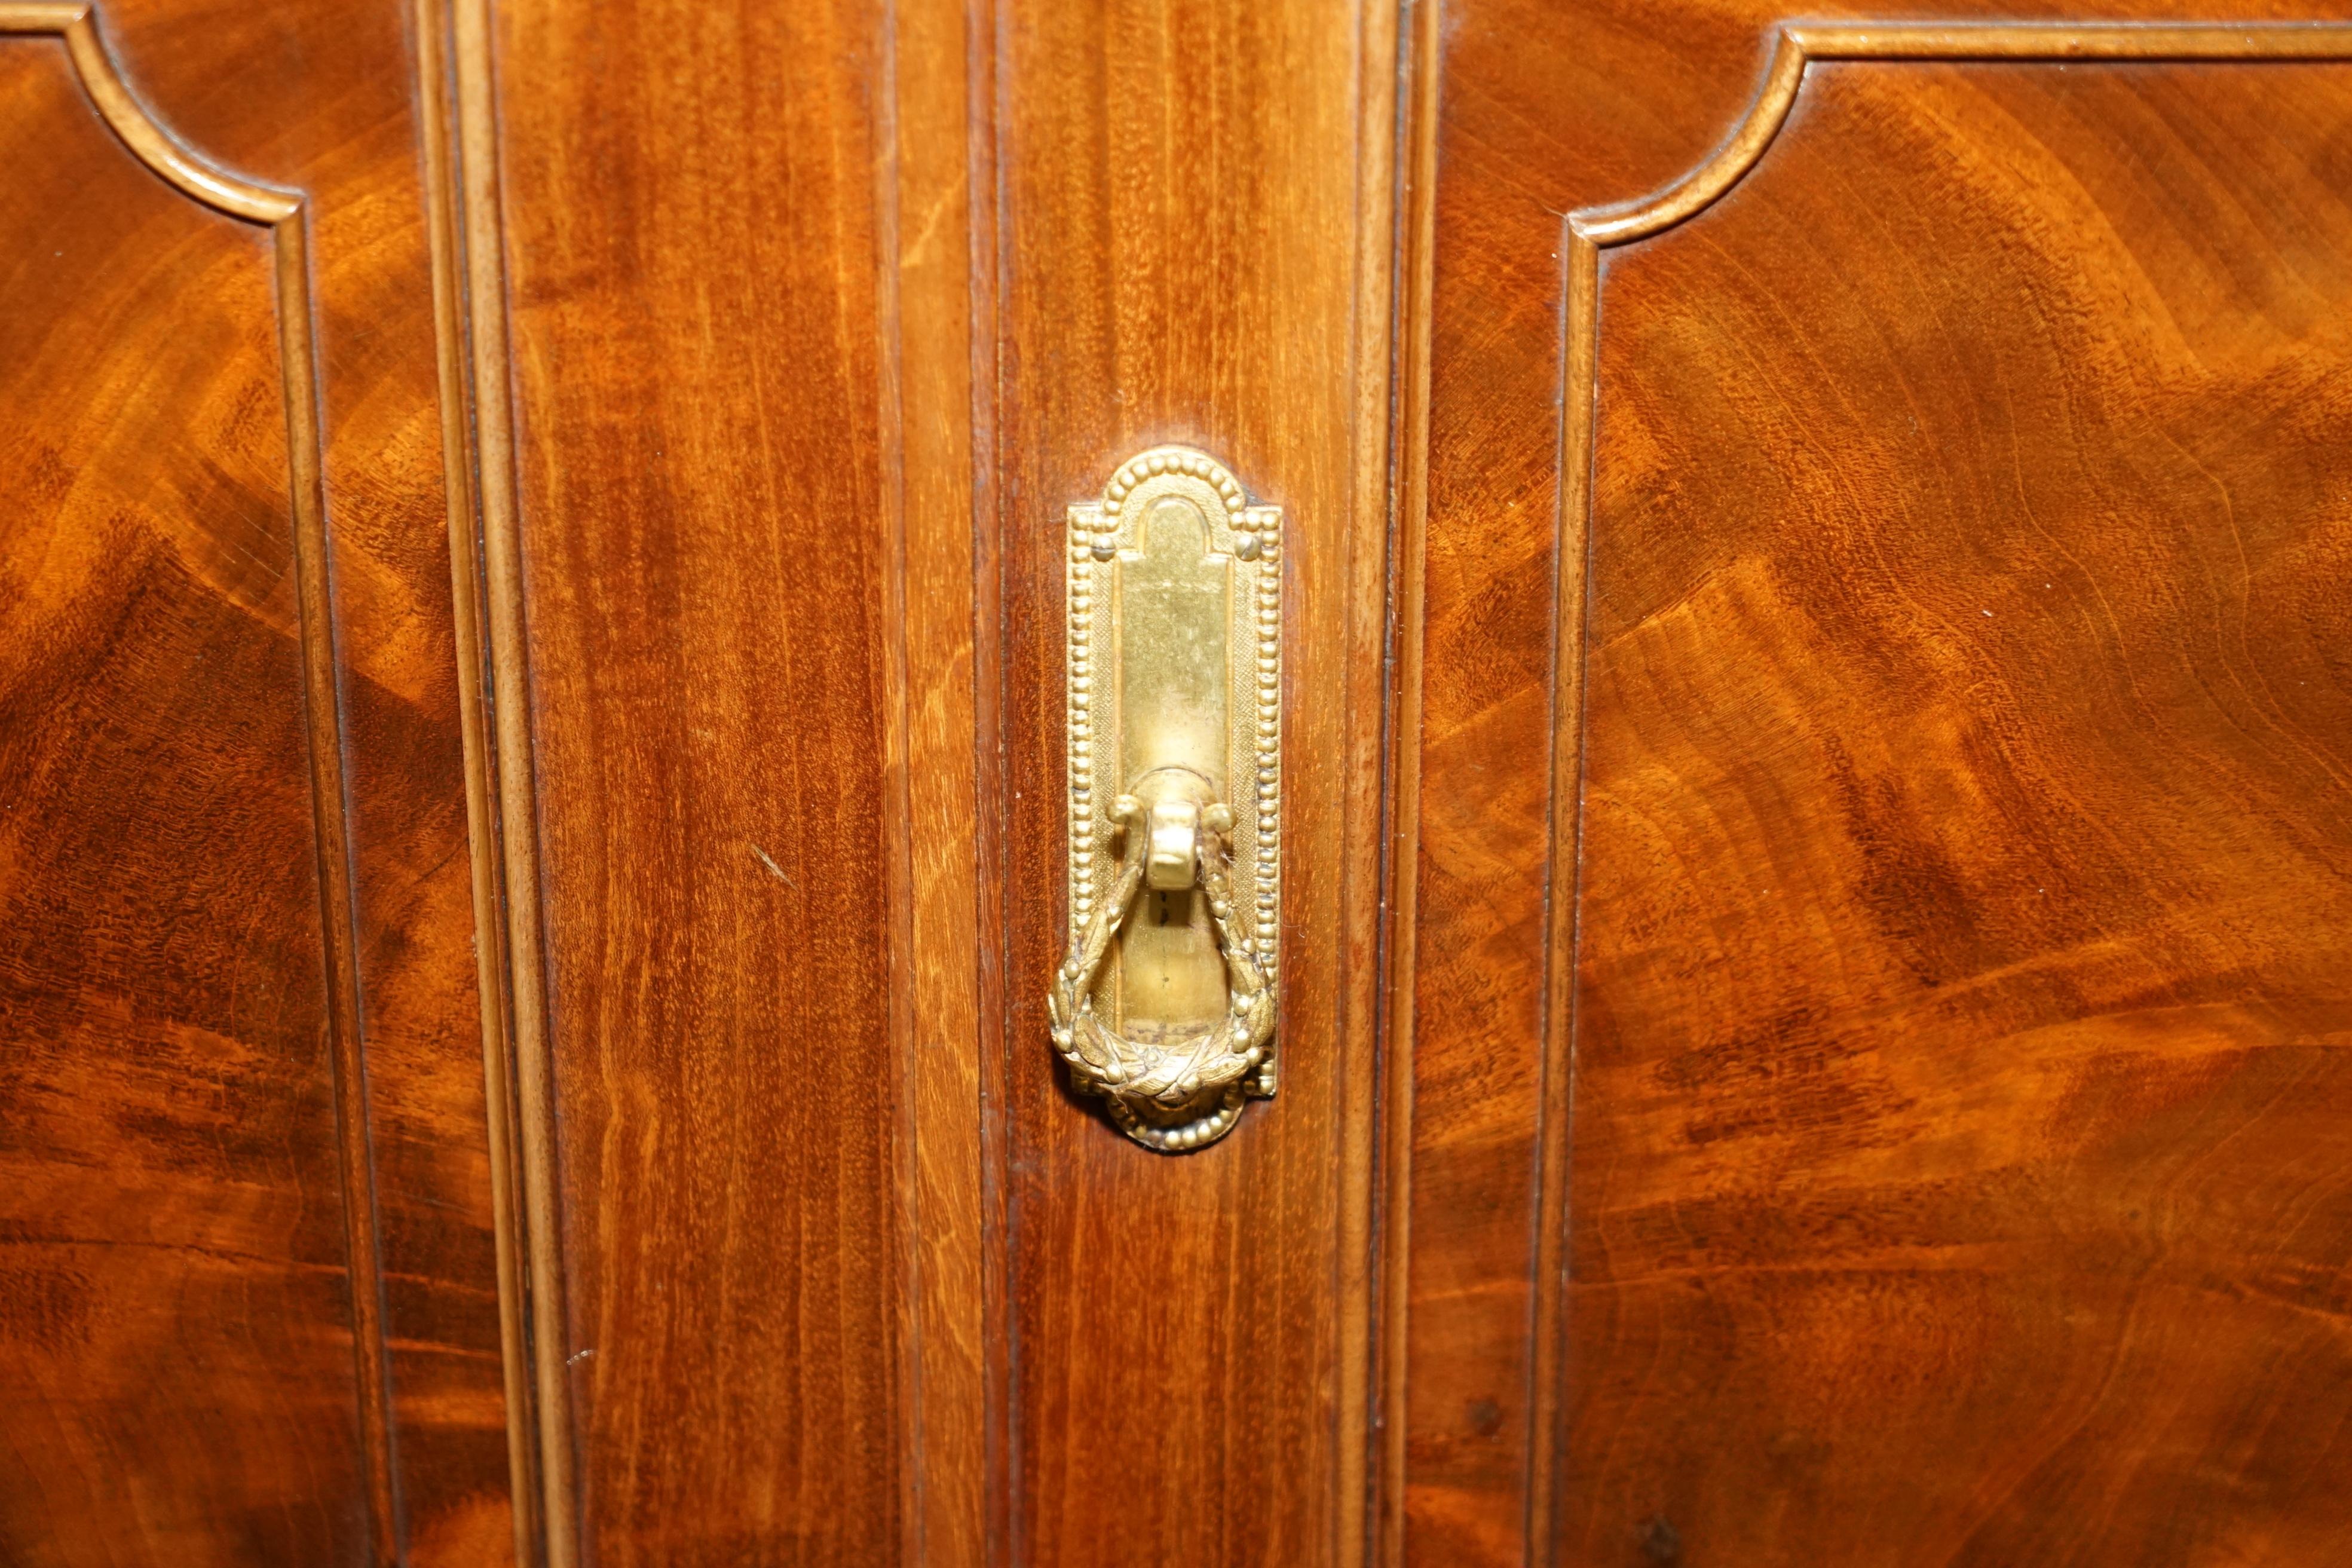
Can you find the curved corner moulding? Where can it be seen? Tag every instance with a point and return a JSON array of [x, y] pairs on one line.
[[1165, 1005]]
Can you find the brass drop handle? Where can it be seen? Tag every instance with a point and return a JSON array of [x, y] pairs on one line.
[[1173, 845], [1165, 1005]]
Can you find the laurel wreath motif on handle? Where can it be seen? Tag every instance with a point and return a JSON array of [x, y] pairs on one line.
[[1188, 1093]]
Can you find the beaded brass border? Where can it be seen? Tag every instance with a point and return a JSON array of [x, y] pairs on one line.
[[1251, 536]]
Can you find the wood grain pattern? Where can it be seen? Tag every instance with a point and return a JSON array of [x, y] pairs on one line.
[[252, 1233], [465, 258], [2010, 1173], [1545, 112], [316, 97], [932, 348], [1192, 233], [1391, 1153], [173, 1196], [703, 666], [1473, 735], [1861, 805], [542, 1437], [697, 619]]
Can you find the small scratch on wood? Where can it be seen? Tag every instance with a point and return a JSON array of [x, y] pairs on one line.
[[772, 866], [576, 1357]]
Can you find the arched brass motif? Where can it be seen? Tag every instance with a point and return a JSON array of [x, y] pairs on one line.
[[1165, 1006]]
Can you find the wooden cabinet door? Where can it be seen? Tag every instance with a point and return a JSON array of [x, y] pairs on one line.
[[1808, 637]]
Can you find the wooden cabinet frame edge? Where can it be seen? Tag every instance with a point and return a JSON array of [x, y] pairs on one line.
[[458, 123]]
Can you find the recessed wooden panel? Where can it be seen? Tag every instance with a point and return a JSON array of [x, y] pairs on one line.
[[1961, 1153], [1537, 109], [176, 1360]]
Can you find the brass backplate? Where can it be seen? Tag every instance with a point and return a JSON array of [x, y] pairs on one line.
[[1175, 697]]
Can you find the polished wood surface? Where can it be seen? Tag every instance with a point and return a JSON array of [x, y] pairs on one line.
[[693, 296], [174, 1245], [777, 747], [250, 1311], [1961, 1162], [531, 812], [942, 593], [1937, 1140], [1190, 1335], [1470, 771]]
